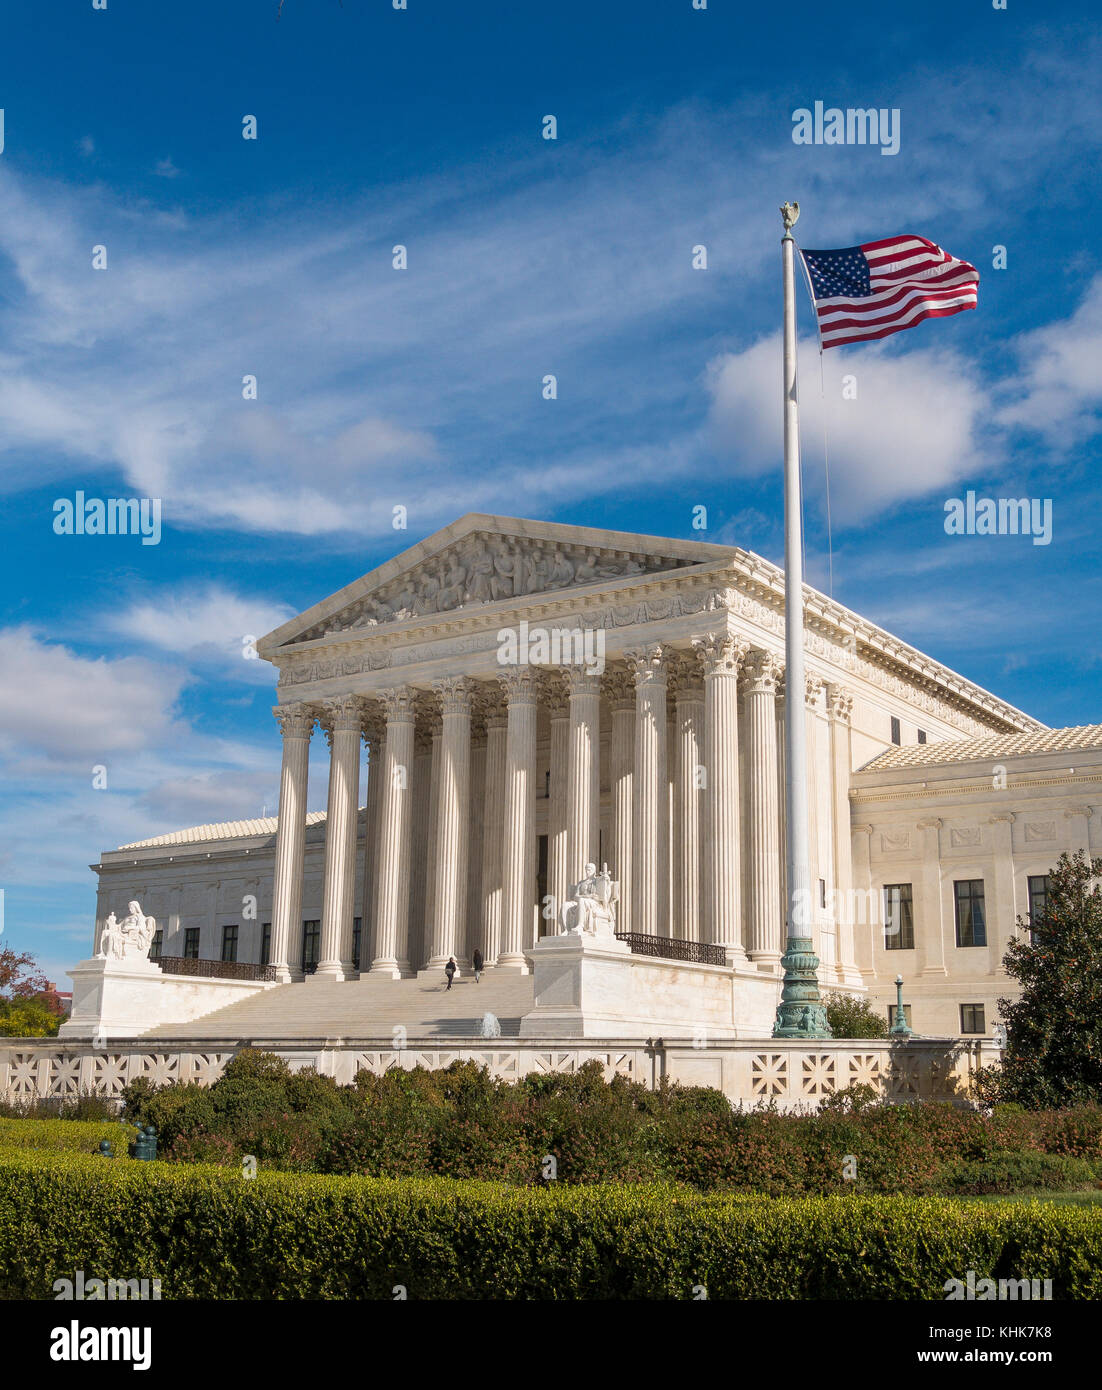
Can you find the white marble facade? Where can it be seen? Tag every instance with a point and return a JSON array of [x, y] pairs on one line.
[[652, 742]]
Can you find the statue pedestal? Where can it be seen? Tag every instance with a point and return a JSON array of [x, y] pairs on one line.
[[581, 986], [111, 998], [125, 998]]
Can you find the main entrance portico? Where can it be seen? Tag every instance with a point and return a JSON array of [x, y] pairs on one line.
[[649, 744]]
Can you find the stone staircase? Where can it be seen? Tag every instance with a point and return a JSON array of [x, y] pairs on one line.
[[371, 1007]]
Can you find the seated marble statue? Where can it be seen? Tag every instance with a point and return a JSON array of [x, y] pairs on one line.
[[129, 939], [591, 906]]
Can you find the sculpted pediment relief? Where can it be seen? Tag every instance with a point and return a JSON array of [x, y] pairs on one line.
[[483, 569]]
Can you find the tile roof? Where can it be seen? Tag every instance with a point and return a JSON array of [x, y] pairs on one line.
[[221, 830], [992, 746]]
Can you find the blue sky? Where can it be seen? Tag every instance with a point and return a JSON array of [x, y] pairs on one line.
[[423, 387]]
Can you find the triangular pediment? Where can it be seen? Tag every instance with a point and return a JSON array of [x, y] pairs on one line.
[[482, 560]]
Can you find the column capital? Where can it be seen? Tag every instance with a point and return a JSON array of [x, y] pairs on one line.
[[1073, 811], [930, 823], [763, 672], [619, 688], [343, 713], [647, 664], [521, 685], [839, 703], [1002, 816], [374, 724], [579, 681], [400, 704], [686, 680], [455, 694], [861, 829], [295, 721], [813, 689], [721, 654], [554, 694]]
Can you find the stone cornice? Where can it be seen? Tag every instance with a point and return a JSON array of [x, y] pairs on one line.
[[744, 585]]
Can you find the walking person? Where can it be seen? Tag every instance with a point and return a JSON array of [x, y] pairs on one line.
[[450, 970], [477, 961]]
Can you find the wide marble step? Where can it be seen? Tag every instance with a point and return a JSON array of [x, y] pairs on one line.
[[369, 1008]]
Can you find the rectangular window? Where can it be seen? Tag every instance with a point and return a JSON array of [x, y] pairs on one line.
[[266, 943], [822, 892], [922, 735], [156, 944], [229, 943], [899, 922], [971, 1019], [1038, 895], [357, 923], [892, 1009], [311, 945], [191, 943], [971, 918], [897, 736]]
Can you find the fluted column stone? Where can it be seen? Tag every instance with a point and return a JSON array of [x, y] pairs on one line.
[[584, 772], [296, 723], [620, 691], [519, 830], [392, 899], [721, 658], [650, 790], [453, 822], [765, 917], [493, 833]]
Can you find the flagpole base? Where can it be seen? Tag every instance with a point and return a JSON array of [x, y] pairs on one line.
[[801, 1012]]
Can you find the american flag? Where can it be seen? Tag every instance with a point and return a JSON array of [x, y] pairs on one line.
[[882, 287]]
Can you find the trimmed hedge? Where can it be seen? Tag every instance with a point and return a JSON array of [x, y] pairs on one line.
[[207, 1233], [75, 1136]]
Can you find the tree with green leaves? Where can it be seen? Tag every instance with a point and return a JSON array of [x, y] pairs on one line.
[[850, 1017], [1053, 1055], [29, 1006]]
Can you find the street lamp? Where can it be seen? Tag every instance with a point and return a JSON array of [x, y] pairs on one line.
[[899, 1028]]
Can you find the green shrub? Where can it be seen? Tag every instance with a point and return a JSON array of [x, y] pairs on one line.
[[209, 1233], [75, 1136], [849, 1017], [1017, 1172]]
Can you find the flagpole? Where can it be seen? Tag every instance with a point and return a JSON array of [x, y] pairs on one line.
[[801, 1013]]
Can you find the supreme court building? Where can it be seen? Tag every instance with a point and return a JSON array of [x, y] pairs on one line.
[[536, 697]]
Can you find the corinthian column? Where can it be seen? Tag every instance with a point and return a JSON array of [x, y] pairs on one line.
[[766, 914], [583, 795], [620, 689], [392, 897], [689, 844], [493, 833], [373, 737], [519, 831], [558, 835], [721, 657], [296, 723], [452, 822], [650, 791], [344, 718]]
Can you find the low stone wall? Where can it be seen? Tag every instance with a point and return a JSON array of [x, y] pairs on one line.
[[789, 1074]]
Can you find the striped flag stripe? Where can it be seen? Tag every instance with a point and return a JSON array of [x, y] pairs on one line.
[[862, 332], [867, 292]]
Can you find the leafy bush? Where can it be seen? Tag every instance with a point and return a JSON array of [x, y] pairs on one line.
[[1017, 1172], [461, 1122], [849, 1017], [208, 1233]]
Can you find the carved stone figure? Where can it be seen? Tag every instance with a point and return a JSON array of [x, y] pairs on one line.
[[129, 939], [591, 906]]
